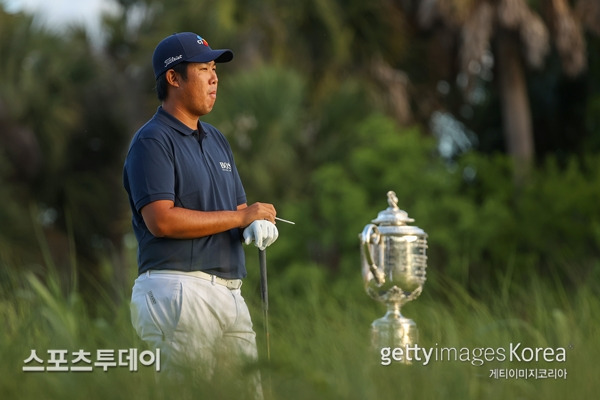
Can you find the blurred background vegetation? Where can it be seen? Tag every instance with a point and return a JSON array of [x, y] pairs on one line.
[[482, 115]]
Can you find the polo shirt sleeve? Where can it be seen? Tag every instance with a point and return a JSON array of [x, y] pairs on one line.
[[150, 172]]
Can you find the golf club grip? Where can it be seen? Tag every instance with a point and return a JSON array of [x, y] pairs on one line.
[[262, 259]]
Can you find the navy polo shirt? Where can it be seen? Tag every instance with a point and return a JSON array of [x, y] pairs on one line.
[[195, 169]]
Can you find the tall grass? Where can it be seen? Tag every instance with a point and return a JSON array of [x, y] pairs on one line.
[[319, 327]]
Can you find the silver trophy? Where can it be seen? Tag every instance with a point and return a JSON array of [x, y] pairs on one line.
[[393, 268]]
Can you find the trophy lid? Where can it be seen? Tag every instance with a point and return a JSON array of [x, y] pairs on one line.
[[392, 215]]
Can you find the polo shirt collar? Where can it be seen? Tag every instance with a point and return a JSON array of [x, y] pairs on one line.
[[174, 122]]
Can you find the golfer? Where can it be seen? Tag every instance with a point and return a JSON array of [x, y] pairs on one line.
[[190, 218]]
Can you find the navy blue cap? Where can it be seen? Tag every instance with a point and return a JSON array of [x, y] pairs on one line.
[[185, 47]]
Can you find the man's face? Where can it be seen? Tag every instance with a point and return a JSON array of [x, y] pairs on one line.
[[199, 91]]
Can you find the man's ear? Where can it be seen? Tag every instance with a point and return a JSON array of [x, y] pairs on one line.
[[172, 77]]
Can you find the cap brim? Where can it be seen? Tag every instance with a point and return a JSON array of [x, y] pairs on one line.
[[218, 56]]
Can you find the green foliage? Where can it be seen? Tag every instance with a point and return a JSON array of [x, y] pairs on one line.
[[62, 144], [478, 220], [298, 108], [543, 226], [319, 326], [507, 261]]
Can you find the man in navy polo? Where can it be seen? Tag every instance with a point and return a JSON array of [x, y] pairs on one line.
[[190, 218]]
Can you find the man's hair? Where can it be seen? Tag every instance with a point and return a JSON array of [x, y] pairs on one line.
[[161, 81]]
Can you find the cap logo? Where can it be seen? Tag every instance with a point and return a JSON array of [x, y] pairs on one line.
[[171, 60], [202, 41]]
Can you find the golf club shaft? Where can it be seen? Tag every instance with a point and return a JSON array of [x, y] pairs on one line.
[[264, 293]]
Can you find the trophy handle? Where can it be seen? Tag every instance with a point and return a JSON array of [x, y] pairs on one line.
[[370, 234]]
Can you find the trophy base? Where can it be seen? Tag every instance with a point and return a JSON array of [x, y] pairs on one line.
[[393, 330]]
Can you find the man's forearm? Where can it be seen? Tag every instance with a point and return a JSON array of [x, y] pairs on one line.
[[165, 220]]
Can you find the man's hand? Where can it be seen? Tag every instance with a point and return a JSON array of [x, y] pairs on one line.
[[262, 232], [257, 211]]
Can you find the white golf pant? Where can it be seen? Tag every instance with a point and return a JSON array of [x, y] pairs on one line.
[[196, 323]]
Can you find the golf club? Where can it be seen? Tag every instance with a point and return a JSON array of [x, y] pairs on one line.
[[264, 294]]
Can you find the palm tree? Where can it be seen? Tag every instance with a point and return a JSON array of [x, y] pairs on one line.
[[517, 37]]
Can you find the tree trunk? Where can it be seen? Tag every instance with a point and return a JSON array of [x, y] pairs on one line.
[[516, 113]]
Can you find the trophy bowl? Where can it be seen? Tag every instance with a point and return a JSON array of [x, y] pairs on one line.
[[399, 255]]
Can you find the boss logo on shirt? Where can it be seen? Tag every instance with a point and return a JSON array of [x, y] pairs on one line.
[[225, 166]]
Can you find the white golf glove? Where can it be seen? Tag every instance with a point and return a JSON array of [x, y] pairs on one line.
[[262, 232]]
